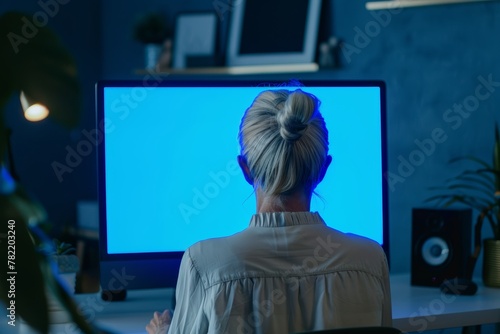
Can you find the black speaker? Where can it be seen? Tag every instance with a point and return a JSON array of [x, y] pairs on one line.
[[441, 245]]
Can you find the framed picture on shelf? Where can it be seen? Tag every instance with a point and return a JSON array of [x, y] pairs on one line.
[[267, 32], [195, 40]]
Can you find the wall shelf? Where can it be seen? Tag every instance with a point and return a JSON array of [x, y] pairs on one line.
[[239, 70], [394, 4]]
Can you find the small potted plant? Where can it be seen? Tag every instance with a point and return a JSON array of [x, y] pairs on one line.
[[65, 265], [68, 264], [479, 189], [151, 30]]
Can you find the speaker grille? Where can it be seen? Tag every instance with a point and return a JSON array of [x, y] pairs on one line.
[[435, 251], [441, 245]]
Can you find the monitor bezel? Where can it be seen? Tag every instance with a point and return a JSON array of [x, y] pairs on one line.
[[235, 58], [171, 260]]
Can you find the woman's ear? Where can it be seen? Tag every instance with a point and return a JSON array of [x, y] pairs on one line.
[[327, 163], [244, 168]]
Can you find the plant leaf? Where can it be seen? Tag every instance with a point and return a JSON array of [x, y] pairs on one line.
[[30, 299], [482, 184], [449, 199], [464, 186], [472, 158], [57, 289], [487, 185]]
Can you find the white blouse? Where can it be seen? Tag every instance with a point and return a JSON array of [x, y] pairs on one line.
[[287, 272]]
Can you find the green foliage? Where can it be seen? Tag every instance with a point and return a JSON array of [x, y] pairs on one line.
[[34, 272], [151, 28], [63, 248], [54, 247], [477, 188], [40, 66], [30, 300]]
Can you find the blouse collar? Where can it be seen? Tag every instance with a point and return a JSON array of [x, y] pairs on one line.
[[282, 219]]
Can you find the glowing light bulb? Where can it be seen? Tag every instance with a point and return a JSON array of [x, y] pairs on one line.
[[36, 112], [33, 112]]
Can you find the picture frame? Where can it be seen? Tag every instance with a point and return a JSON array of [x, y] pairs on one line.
[[275, 32], [195, 40]]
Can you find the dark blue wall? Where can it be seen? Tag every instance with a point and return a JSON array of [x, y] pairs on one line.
[[430, 57]]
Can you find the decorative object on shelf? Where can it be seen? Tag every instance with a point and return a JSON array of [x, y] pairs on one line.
[[479, 189], [151, 30], [165, 60], [40, 67], [329, 53], [152, 53], [280, 34], [195, 40]]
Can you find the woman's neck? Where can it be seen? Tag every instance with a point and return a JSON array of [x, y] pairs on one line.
[[298, 201]]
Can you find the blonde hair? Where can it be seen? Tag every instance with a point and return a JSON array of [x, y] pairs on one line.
[[284, 140]]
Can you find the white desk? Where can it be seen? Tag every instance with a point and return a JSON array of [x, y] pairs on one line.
[[132, 316], [414, 309], [421, 308]]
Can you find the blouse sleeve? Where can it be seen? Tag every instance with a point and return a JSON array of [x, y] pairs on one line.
[[189, 316]]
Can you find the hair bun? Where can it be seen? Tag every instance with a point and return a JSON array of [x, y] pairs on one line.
[[294, 117]]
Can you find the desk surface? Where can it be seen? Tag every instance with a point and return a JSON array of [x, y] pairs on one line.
[[423, 308], [414, 309]]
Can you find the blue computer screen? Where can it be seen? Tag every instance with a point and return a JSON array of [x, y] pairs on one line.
[[172, 178]]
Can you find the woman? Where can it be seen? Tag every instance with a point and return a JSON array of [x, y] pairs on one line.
[[287, 272]]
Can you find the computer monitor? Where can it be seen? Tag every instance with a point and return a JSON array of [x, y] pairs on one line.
[[168, 174]]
